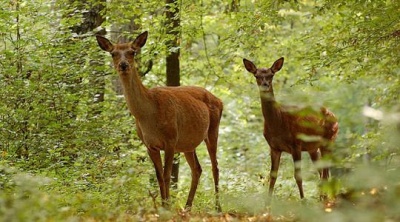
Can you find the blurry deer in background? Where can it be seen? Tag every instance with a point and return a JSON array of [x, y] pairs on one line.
[[291, 129], [172, 119]]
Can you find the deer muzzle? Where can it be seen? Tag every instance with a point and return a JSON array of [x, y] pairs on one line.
[[265, 87], [123, 66]]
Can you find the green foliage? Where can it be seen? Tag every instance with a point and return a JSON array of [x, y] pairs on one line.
[[65, 155]]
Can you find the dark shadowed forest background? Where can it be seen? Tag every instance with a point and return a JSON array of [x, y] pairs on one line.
[[68, 145]]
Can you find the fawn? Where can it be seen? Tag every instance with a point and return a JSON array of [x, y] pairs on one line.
[[292, 129]]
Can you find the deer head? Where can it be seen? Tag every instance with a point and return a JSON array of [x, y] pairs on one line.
[[264, 76], [123, 54]]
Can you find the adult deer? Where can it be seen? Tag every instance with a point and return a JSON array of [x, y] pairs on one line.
[[292, 129], [172, 119]]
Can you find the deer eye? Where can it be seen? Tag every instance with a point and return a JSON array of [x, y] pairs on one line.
[[113, 54]]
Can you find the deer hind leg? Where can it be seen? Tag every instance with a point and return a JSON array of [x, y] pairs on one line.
[[211, 143], [325, 171], [155, 157], [325, 152], [297, 171], [315, 156], [275, 160], [195, 167]]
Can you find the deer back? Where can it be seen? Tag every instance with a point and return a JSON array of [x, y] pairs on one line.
[[182, 113], [304, 127]]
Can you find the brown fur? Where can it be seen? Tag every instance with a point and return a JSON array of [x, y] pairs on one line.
[[172, 119], [292, 129]]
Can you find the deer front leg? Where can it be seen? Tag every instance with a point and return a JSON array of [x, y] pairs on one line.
[[275, 159], [156, 159], [297, 171], [168, 161]]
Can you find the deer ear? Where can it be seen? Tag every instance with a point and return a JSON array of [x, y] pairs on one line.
[[277, 65], [250, 66], [104, 43], [140, 40]]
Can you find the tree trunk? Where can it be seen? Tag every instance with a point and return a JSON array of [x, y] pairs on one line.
[[92, 18], [233, 6], [172, 64]]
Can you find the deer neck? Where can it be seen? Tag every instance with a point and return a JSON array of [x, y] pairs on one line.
[[270, 108], [136, 95]]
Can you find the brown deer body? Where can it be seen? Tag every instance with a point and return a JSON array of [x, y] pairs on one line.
[[291, 129], [172, 119]]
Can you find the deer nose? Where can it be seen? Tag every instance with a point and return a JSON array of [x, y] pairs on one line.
[[123, 66]]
